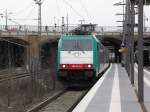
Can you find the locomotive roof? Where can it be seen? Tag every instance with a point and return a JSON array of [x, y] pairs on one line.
[[79, 37]]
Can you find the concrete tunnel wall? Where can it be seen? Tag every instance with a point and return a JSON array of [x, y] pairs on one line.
[[49, 54], [13, 54], [30, 50]]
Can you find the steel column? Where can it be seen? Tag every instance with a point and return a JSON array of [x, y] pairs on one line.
[[140, 52], [125, 34], [132, 42], [128, 37]]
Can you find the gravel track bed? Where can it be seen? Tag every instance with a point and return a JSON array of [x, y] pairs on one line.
[[63, 103]]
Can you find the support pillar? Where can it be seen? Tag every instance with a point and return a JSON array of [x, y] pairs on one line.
[[140, 52]]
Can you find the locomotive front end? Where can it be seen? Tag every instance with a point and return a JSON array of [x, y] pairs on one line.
[[76, 57]]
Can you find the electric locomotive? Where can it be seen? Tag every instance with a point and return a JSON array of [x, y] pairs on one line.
[[81, 57]]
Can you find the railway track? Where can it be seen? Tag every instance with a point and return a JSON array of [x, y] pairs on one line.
[[6, 75], [16, 76], [11, 72], [15, 69], [65, 101]]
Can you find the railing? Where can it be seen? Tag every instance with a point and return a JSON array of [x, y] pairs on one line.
[[29, 29]]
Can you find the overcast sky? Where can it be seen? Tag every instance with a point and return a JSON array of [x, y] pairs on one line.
[[101, 12]]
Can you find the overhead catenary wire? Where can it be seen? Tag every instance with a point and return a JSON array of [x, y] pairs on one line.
[[58, 8], [14, 21], [85, 9], [68, 4], [30, 13], [24, 9]]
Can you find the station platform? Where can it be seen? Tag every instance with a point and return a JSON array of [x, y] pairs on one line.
[[146, 78], [113, 92]]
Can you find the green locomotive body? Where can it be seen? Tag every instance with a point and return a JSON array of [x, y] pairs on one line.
[[81, 56]]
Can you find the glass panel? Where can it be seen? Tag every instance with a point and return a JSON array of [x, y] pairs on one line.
[[77, 45]]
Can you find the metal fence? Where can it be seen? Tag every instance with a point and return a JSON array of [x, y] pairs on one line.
[[30, 29]]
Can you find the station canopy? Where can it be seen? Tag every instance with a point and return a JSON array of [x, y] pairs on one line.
[[146, 2]]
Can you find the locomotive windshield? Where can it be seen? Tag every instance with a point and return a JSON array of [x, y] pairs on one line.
[[77, 45]]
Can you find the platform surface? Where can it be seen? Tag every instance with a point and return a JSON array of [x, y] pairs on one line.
[[146, 78], [112, 93]]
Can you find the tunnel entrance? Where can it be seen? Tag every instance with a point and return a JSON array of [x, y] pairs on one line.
[[113, 45], [49, 55], [12, 54]]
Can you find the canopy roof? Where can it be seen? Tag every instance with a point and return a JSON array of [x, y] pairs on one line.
[[146, 2]]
